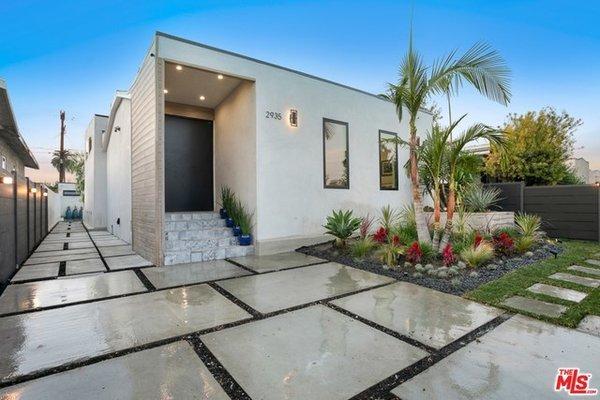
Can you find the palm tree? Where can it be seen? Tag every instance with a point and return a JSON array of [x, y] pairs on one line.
[[68, 158], [432, 156], [480, 66], [454, 155]]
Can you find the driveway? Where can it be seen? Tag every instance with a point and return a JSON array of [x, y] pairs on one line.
[[87, 318]]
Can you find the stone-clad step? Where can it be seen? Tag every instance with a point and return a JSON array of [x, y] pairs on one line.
[[199, 236]]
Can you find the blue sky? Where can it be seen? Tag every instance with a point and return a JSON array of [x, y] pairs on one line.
[[73, 55]]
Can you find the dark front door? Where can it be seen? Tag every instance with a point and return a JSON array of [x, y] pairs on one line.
[[188, 164]]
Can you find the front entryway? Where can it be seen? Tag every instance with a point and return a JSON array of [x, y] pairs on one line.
[[188, 164]]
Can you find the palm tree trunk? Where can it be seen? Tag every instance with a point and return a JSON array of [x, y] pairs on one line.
[[436, 217], [449, 216], [420, 219]]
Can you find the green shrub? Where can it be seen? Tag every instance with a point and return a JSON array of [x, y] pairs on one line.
[[428, 252], [528, 224], [478, 198], [244, 220], [389, 253], [362, 247], [235, 211], [524, 244], [406, 233], [475, 256], [388, 217], [341, 225], [227, 198], [407, 216]]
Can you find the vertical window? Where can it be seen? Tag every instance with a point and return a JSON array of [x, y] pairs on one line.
[[89, 145], [336, 171], [3, 162], [388, 161]]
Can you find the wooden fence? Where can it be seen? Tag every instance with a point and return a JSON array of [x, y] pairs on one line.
[[567, 211], [23, 222]]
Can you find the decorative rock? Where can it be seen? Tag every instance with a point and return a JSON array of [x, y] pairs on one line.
[[474, 274], [461, 265], [417, 275], [442, 274], [529, 254], [492, 267], [455, 282]]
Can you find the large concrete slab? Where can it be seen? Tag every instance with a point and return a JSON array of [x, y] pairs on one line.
[[38, 271], [50, 247], [59, 258], [109, 242], [312, 353], [558, 292], [46, 339], [81, 245], [517, 360], [534, 306], [112, 251], [593, 262], [84, 266], [172, 371], [62, 253], [34, 295], [426, 315], [279, 290], [123, 262], [585, 270], [580, 280], [590, 324], [187, 274], [276, 262]]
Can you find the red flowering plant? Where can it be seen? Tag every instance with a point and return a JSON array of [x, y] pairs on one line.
[[478, 239], [365, 226], [503, 243], [381, 235], [396, 241], [414, 254], [448, 256]]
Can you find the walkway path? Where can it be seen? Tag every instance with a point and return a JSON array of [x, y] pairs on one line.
[[272, 327]]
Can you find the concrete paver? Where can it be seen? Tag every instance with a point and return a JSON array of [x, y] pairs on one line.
[[172, 371], [312, 353], [284, 289], [30, 296], [558, 292], [37, 341], [535, 306], [276, 261], [426, 315], [517, 360], [84, 266], [590, 324], [112, 251], [585, 270], [580, 280], [187, 274], [122, 262], [38, 271]]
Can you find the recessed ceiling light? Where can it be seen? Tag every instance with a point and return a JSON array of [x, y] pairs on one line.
[[219, 76], [202, 98], [166, 91], [179, 68]]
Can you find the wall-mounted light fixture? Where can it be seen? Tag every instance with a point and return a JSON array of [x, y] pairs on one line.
[[202, 98], [597, 184], [219, 77], [117, 129], [8, 180], [178, 67], [165, 91], [33, 190], [293, 117], [45, 193]]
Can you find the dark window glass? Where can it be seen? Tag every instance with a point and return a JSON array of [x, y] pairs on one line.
[[388, 161], [335, 155]]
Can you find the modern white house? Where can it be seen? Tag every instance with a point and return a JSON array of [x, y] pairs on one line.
[[94, 209], [292, 147]]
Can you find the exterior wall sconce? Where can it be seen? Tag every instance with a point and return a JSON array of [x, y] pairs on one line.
[[293, 117], [45, 194], [33, 190], [7, 180], [117, 129], [597, 184]]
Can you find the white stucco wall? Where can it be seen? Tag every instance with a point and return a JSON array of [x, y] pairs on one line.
[[291, 202], [71, 202], [235, 145], [118, 167], [94, 210]]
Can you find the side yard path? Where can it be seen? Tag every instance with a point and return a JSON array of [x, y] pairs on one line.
[[563, 291]]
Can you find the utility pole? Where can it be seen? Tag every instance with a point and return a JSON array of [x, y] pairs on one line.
[[61, 170]]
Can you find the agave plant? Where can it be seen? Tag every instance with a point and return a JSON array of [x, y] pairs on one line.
[[528, 224], [388, 218], [477, 198], [341, 224]]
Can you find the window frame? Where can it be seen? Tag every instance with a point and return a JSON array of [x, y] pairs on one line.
[[325, 186], [3, 162], [380, 165]]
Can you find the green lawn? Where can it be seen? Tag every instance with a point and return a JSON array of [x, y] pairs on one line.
[[516, 283]]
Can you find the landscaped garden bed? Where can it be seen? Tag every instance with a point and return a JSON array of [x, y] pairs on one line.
[[453, 263]]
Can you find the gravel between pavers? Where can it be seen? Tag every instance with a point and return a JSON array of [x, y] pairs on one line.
[[468, 283]]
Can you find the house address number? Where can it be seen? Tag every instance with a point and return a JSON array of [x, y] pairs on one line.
[[273, 115]]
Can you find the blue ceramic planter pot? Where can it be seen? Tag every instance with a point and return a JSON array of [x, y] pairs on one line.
[[223, 213], [229, 222], [237, 231], [245, 240]]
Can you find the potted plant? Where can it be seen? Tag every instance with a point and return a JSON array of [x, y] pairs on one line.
[[226, 200], [234, 213], [245, 224]]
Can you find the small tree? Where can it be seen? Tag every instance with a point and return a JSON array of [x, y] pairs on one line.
[[538, 144]]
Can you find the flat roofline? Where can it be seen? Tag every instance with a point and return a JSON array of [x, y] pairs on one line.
[[231, 53]]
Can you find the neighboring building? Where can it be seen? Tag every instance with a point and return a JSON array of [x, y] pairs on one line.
[[68, 197], [94, 209], [292, 146], [594, 176], [14, 152], [581, 168]]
